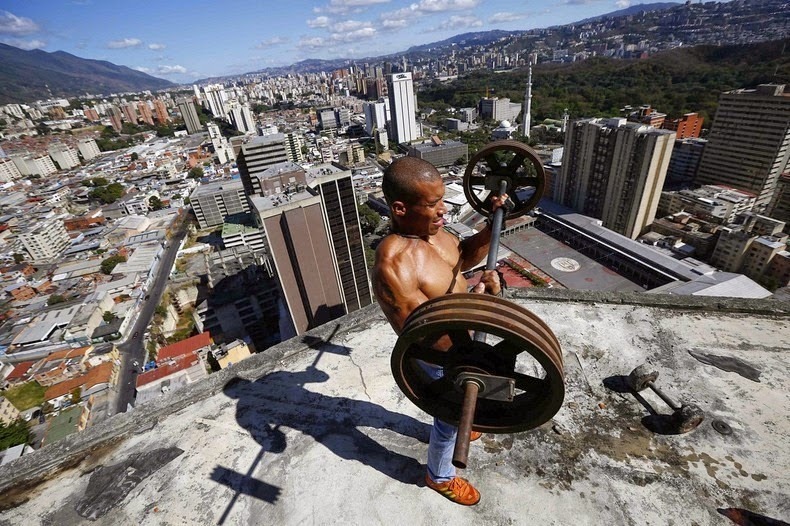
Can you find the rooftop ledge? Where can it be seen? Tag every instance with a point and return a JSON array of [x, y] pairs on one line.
[[315, 430]]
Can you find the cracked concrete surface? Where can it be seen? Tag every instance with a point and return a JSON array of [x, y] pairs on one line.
[[316, 431]]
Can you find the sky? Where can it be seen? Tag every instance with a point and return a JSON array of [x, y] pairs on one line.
[[183, 40]]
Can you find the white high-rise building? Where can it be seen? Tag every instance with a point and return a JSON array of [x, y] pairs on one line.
[[215, 97], [46, 240], [222, 148], [88, 148], [64, 155], [8, 170], [241, 117], [403, 106], [34, 165], [375, 116]]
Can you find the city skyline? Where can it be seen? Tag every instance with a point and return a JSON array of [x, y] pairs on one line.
[[181, 45]]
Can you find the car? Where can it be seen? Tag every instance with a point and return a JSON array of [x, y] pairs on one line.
[[136, 333]]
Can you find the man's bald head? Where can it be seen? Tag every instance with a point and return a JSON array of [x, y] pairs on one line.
[[402, 177]]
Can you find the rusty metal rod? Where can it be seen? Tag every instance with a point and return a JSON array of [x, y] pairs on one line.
[[493, 247], [461, 452], [665, 397]]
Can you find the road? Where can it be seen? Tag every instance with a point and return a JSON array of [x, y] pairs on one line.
[[132, 350]]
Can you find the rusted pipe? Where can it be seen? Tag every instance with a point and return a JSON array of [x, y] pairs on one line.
[[461, 452]]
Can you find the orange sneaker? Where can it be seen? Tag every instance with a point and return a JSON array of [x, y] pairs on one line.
[[475, 435], [457, 490]]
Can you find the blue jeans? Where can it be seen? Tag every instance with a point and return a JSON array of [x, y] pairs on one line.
[[442, 442]]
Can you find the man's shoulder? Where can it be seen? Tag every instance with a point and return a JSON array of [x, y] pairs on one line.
[[394, 247]]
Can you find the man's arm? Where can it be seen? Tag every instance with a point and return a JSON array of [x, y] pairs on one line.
[[475, 248], [397, 290]]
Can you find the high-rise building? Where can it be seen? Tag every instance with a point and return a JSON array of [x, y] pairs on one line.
[[684, 163], [129, 112], [256, 155], [327, 120], [686, 127], [160, 109], [8, 170], [45, 240], [316, 245], [499, 109], [614, 171], [115, 118], [91, 114], [34, 164], [749, 142], [214, 95], [293, 147], [403, 107], [145, 113], [375, 116], [190, 116], [88, 148], [780, 205], [241, 117], [64, 155], [222, 148], [215, 202]]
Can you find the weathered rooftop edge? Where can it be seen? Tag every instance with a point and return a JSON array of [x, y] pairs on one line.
[[596, 464], [29, 470], [666, 301]]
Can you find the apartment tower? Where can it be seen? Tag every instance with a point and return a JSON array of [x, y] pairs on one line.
[[614, 170], [190, 116], [749, 142]]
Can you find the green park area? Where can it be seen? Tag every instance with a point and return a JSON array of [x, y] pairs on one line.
[[26, 395]]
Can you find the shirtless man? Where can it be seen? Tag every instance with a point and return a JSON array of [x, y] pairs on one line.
[[420, 261]]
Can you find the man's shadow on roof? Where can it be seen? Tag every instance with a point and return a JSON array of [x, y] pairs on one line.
[[280, 399]]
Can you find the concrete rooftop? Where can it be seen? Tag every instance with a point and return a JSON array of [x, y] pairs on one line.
[[315, 431]]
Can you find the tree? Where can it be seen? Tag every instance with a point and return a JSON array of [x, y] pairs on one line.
[[135, 156], [18, 258], [55, 299], [196, 172], [95, 182], [368, 219], [107, 194], [109, 264], [76, 395], [108, 316], [155, 203], [14, 434]]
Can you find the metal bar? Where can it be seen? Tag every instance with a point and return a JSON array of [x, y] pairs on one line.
[[671, 403], [493, 246], [461, 452]]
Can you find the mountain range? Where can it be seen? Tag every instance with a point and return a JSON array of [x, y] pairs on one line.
[[26, 76]]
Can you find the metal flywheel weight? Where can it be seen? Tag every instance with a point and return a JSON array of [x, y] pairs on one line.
[[512, 162], [509, 399]]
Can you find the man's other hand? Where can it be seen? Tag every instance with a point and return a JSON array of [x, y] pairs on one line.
[[489, 283]]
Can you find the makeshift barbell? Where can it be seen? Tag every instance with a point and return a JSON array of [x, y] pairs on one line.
[[485, 386]]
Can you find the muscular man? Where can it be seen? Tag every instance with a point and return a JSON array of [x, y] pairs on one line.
[[420, 261]]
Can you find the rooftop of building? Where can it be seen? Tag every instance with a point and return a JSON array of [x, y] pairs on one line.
[[280, 168], [217, 186], [315, 429]]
